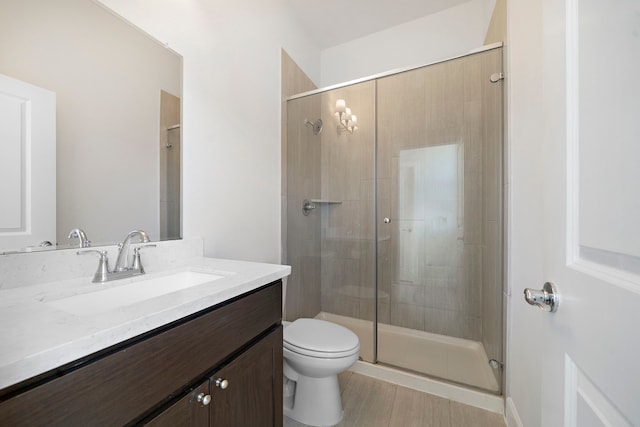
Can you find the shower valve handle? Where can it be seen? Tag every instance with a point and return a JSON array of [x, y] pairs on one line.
[[307, 206]]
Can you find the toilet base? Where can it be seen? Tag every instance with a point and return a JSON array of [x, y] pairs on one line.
[[316, 401]]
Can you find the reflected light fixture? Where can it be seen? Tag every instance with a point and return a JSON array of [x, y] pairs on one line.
[[347, 120]]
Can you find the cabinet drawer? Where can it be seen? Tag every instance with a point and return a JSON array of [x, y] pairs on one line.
[[118, 388]]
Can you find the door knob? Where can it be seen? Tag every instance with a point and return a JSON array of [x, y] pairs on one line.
[[547, 299]]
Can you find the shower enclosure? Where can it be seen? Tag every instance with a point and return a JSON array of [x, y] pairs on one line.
[[394, 219], [170, 166]]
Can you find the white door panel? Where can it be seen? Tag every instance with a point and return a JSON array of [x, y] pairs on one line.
[[27, 164], [12, 182], [605, 119], [584, 357], [591, 148]]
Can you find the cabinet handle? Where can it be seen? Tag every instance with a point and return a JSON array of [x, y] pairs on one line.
[[222, 383], [205, 399]]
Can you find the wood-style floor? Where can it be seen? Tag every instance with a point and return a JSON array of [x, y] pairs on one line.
[[368, 402]]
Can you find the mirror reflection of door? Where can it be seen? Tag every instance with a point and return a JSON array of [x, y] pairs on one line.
[[27, 164], [108, 76]]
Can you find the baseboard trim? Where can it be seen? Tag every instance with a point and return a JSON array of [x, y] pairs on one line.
[[511, 416]]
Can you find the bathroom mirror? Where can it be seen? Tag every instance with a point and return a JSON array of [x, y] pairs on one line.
[[118, 152]]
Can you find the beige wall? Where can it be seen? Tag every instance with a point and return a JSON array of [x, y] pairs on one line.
[[107, 76]]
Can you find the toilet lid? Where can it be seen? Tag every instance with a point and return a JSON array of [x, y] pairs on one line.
[[320, 336]]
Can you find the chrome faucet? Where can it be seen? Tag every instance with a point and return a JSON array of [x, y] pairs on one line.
[[123, 250], [122, 268], [79, 234]]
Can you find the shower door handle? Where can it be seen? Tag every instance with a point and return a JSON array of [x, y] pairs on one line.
[[546, 299]]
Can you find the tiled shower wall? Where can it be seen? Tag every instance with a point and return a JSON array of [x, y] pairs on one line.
[[300, 172], [303, 234], [348, 228]]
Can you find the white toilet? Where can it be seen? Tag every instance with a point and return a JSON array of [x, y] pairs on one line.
[[315, 352]]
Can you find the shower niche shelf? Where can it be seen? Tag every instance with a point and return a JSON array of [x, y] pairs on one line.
[[309, 205]]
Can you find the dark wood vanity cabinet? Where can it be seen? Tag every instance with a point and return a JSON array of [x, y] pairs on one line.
[[167, 376], [253, 397], [241, 393]]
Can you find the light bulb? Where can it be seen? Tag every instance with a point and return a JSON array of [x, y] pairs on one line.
[[347, 114]]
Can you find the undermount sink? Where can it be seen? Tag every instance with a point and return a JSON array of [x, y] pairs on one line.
[[131, 293]]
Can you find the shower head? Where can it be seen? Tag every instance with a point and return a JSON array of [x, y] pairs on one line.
[[317, 125]]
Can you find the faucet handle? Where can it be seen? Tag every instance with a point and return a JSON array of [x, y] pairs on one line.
[[137, 265], [103, 265], [78, 233]]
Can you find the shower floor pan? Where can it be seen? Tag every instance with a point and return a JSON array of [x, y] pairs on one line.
[[454, 359]]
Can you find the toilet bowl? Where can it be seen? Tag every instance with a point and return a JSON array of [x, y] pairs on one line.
[[315, 352]]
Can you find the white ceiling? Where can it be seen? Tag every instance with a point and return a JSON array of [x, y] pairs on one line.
[[333, 22]]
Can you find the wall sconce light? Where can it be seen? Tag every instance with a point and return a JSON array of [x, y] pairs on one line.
[[347, 120]]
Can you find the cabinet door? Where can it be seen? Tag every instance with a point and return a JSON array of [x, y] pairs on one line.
[[253, 393], [190, 411]]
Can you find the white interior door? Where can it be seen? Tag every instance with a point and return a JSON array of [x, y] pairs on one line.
[[27, 164], [585, 368]]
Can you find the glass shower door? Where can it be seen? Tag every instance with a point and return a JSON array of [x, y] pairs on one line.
[[394, 228], [439, 220]]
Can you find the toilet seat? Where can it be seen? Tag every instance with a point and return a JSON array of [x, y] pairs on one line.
[[319, 338]]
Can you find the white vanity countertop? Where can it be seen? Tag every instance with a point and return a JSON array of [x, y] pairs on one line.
[[36, 337]]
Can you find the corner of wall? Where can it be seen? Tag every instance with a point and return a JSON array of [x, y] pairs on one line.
[[497, 30], [307, 63]]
